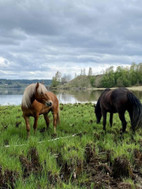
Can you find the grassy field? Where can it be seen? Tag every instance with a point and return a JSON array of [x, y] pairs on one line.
[[80, 156]]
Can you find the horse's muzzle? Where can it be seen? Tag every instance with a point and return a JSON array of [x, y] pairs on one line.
[[49, 103]]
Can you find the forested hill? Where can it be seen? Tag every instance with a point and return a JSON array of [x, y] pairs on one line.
[[4, 83], [121, 77]]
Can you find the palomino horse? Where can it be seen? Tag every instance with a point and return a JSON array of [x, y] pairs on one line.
[[36, 101], [118, 101]]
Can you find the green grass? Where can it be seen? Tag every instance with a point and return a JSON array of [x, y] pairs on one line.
[[75, 119]]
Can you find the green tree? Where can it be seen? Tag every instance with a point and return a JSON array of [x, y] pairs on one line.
[[56, 79], [139, 73], [108, 79], [133, 74], [122, 77]]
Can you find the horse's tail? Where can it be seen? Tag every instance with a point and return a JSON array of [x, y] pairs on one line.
[[136, 106]]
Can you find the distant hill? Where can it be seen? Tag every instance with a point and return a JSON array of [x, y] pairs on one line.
[[19, 83], [83, 81]]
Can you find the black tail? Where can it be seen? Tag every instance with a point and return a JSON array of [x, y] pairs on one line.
[[136, 106]]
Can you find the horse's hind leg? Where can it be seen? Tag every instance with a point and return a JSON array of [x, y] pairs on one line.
[[35, 123], [131, 118], [55, 119], [124, 123], [111, 119], [27, 125], [58, 118], [46, 120]]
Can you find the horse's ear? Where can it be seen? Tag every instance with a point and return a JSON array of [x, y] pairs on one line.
[[37, 85]]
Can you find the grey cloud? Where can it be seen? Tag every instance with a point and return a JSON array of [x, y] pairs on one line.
[[45, 35]]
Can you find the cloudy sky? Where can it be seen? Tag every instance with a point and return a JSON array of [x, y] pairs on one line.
[[39, 38]]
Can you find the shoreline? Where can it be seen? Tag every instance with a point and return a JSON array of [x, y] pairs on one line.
[[133, 88]]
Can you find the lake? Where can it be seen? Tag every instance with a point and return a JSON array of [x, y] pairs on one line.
[[12, 96]]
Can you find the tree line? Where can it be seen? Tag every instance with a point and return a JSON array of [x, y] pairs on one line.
[[123, 76], [22, 83]]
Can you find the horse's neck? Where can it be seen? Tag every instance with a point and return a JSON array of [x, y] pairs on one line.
[[32, 98], [28, 100]]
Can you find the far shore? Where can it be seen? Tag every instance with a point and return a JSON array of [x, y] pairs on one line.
[[133, 88]]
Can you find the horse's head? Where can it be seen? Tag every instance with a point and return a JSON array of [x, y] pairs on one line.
[[98, 112], [41, 95]]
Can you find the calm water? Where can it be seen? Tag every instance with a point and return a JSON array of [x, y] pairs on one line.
[[14, 96]]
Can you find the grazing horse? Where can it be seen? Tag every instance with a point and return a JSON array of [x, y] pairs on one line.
[[36, 101], [118, 101]]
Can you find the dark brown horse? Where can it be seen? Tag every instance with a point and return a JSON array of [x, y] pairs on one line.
[[37, 100], [118, 101]]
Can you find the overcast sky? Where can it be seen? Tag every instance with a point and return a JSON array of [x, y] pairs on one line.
[[39, 38]]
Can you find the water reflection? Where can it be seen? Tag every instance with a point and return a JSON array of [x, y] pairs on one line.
[[14, 96], [77, 96], [65, 98], [11, 91]]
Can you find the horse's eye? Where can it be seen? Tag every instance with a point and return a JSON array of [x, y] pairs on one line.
[[41, 93]]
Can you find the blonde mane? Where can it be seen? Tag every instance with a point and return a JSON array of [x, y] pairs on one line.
[[29, 93]]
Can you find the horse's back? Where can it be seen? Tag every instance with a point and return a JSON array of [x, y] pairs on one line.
[[115, 100], [120, 95], [52, 96]]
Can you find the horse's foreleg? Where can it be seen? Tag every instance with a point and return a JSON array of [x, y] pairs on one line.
[[46, 120], [124, 123], [27, 125], [111, 119], [35, 123], [104, 120]]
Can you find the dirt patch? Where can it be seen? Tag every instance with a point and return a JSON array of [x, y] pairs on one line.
[[53, 179], [26, 166], [8, 178], [96, 168], [104, 173], [69, 169], [124, 185], [96, 136], [31, 163], [66, 170], [122, 168], [137, 159], [89, 152]]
